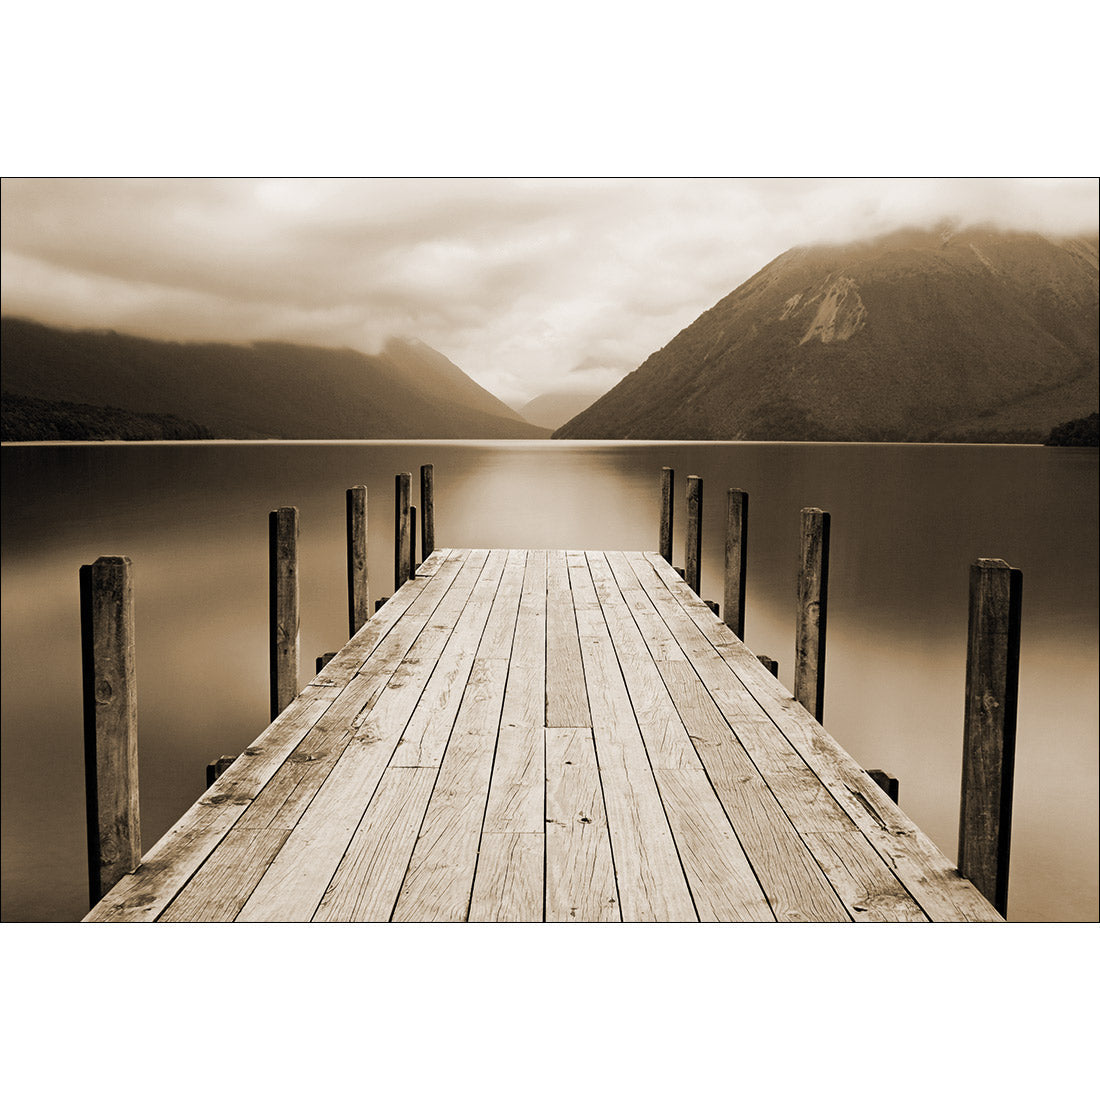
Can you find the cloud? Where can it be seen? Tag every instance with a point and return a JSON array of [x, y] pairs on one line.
[[526, 284]]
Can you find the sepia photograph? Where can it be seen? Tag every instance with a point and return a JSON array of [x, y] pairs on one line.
[[535, 540]]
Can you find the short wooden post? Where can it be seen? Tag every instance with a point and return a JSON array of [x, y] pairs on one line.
[[412, 541], [668, 477], [427, 510], [693, 550], [358, 586], [888, 782], [813, 593], [110, 722], [737, 534], [401, 530], [769, 664], [989, 732], [215, 768], [324, 660], [283, 530]]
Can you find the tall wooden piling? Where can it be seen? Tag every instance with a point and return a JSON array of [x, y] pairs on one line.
[[813, 593], [668, 478], [693, 548], [358, 584], [401, 530], [737, 536], [427, 510], [110, 722], [412, 541], [989, 732], [284, 605]]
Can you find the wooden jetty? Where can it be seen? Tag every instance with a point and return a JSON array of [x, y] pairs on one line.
[[532, 735]]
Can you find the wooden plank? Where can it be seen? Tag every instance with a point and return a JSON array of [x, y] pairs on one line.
[[368, 879], [650, 877], [444, 859], [110, 722], [566, 702], [723, 883], [989, 731], [924, 871], [508, 885], [420, 635], [425, 736], [166, 868], [580, 875], [220, 886], [294, 884], [790, 782]]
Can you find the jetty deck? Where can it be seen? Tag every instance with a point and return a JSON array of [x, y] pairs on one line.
[[529, 735]]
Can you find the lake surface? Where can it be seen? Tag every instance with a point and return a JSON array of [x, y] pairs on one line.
[[907, 521]]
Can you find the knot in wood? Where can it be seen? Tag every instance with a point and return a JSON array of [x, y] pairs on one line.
[[104, 692]]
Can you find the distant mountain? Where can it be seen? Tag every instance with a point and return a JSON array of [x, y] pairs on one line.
[[979, 336], [552, 410], [260, 390]]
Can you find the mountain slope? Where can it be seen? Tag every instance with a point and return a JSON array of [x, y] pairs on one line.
[[921, 335], [552, 410], [261, 390]]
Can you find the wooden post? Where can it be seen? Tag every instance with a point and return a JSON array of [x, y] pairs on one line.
[[412, 541], [668, 477], [769, 664], [283, 531], [693, 549], [427, 510], [110, 722], [358, 586], [401, 530], [888, 782], [216, 767], [813, 593], [737, 535], [324, 660], [989, 732]]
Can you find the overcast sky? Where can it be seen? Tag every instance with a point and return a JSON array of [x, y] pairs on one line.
[[529, 286]]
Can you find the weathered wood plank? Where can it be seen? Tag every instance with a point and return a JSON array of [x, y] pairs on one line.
[[508, 886], [169, 864], [294, 884], [925, 872], [580, 874], [648, 871], [368, 879], [427, 509], [220, 886], [441, 872], [664, 537], [401, 530], [693, 541], [566, 702]]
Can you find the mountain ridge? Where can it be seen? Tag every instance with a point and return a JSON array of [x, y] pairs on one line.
[[260, 390], [919, 335]]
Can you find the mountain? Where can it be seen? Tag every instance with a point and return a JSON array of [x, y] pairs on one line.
[[552, 410], [922, 335], [260, 390]]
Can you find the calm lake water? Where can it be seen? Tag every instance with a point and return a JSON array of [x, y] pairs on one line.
[[907, 520]]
